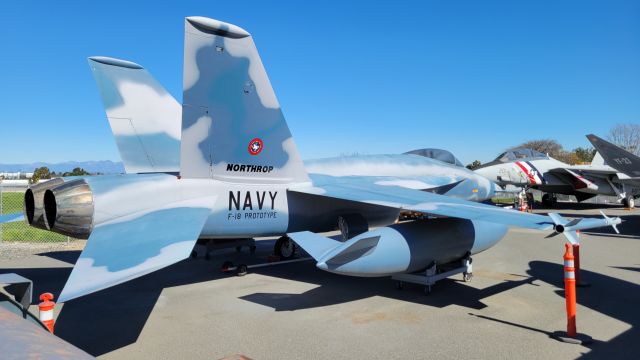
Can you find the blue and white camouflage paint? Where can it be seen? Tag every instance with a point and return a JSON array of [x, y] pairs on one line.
[[144, 117]]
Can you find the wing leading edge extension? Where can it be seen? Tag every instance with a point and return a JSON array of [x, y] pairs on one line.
[[135, 245]]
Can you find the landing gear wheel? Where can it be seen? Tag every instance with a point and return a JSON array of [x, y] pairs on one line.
[[629, 202], [285, 248], [242, 270], [467, 276], [549, 200]]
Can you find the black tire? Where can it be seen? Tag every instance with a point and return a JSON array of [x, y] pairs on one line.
[[629, 202], [242, 270], [546, 200], [549, 200], [285, 248]]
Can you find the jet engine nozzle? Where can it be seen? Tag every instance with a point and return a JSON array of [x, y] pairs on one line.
[[34, 202], [69, 209]]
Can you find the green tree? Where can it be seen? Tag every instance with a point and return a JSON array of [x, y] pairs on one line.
[[40, 173], [76, 172], [584, 154], [474, 165]]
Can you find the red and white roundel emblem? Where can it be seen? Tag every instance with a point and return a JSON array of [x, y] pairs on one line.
[[255, 146]]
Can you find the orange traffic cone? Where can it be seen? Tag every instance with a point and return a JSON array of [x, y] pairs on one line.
[[46, 310]]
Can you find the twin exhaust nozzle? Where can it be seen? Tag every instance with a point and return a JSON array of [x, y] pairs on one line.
[[63, 207]]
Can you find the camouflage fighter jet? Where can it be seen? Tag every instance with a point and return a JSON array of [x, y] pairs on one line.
[[240, 175]]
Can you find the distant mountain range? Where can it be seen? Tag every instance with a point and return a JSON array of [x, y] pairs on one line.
[[103, 167]]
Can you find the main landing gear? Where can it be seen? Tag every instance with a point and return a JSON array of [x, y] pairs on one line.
[[284, 248], [549, 200], [629, 202]]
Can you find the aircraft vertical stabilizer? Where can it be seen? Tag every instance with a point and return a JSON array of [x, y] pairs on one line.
[[232, 125], [144, 117]]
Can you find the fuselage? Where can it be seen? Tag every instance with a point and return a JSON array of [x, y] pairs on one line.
[[253, 209]]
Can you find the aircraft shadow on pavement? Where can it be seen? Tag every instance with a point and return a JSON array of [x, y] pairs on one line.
[[337, 289], [112, 318]]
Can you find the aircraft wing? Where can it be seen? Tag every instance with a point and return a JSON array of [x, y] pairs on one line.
[[355, 188], [578, 181], [11, 217], [134, 245]]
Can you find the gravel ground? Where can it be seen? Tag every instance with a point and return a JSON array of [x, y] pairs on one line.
[[21, 250]]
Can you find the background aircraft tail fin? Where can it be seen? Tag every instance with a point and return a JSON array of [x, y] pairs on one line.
[[617, 157], [232, 125], [144, 117]]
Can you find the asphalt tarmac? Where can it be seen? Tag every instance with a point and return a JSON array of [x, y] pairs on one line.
[[294, 311]]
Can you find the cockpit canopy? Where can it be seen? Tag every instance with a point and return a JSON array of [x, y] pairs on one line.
[[516, 154], [437, 154]]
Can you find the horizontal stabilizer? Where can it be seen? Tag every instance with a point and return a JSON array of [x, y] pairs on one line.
[[316, 245], [6, 218], [132, 246]]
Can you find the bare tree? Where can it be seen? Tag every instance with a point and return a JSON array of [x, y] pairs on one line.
[[626, 136], [545, 146]]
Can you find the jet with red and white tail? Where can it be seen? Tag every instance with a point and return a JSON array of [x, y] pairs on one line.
[[527, 168]]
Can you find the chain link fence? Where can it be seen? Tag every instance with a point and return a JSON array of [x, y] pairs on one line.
[[13, 201]]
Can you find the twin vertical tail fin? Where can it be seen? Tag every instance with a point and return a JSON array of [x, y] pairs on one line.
[[232, 125], [144, 117]]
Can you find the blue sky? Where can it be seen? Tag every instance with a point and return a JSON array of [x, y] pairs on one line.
[[370, 77]]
